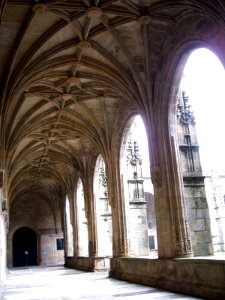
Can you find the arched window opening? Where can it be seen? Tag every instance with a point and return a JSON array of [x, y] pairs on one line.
[[103, 209], [69, 230], [138, 191], [201, 146], [82, 221]]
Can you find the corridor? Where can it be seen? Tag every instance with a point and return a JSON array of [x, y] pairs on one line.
[[59, 283]]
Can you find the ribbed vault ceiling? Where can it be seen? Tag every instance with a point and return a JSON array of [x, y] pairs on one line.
[[69, 69]]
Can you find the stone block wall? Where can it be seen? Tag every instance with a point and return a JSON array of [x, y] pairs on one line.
[[203, 278], [138, 227], [2, 252], [49, 254], [38, 216], [198, 215], [87, 263]]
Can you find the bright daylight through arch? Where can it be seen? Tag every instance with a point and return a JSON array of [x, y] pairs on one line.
[[138, 191], [204, 83]]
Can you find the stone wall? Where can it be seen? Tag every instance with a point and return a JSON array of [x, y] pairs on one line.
[[193, 180], [87, 263], [38, 216], [2, 252], [3, 232], [49, 254], [198, 216], [198, 277]]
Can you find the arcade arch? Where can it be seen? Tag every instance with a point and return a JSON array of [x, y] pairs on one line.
[[69, 229], [138, 190], [201, 148], [103, 209], [82, 222]]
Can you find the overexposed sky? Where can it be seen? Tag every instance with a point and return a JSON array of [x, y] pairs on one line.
[[140, 136], [204, 83]]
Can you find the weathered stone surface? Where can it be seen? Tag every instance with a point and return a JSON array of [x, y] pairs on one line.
[[181, 275]]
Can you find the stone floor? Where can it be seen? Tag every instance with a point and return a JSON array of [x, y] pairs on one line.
[[59, 283]]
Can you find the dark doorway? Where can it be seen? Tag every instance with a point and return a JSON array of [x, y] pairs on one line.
[[24, 247]]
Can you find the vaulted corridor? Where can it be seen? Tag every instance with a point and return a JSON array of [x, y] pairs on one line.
[[60, 283], [81, 184]]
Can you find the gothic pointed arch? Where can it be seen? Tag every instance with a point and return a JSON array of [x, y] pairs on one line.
[[82, 220], [138, 190], [103, 208]]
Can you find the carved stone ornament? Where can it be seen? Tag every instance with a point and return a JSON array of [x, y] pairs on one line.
[[66, 97], [84, 44], [1, 178], [156, 177], [184, 114], [4, 205], [133, 157], [6, 217], [94, 12], [40, 8], [103, 177], [144, 20]]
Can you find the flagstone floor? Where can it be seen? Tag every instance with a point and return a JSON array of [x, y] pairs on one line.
[[59, 283]]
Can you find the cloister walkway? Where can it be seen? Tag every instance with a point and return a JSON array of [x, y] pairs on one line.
[[59, 283]]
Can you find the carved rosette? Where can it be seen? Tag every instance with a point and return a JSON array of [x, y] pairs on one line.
[[144, 20], [66, 97], [40, 8], [94, 12], [84, 44]]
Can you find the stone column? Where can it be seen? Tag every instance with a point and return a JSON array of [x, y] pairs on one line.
[[3, 232], [74, 223], [165, 234], [91, 216], [172, 230], [116, 200]]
